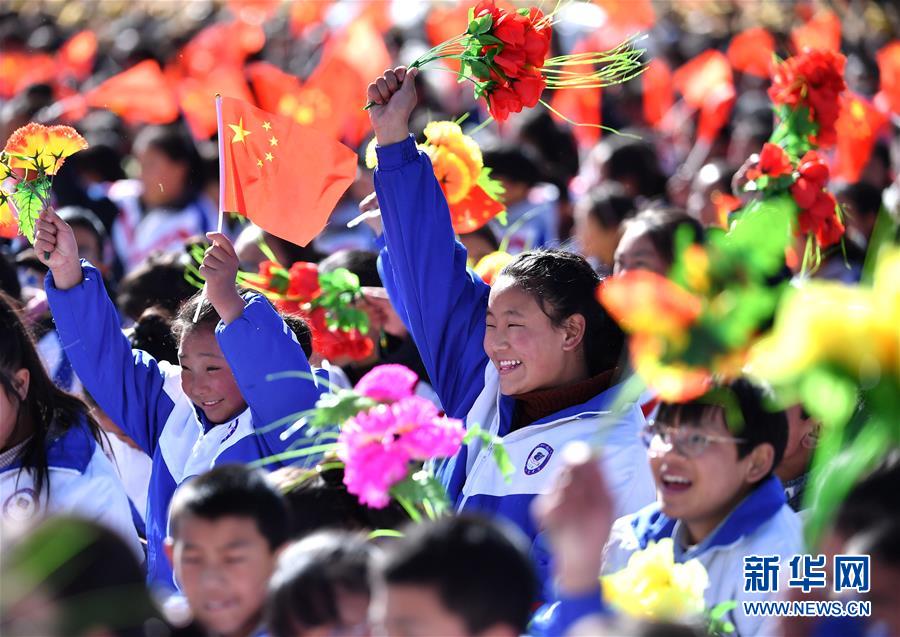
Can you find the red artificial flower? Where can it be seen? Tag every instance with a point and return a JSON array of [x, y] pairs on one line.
[[502, 101], [486, 7], [829, 231], [773, 162], [815, 78], [510, 29], [537, 38], [529, 88], [511, 61], [303, 281], [805, 192], [823, 207], [813, 168]]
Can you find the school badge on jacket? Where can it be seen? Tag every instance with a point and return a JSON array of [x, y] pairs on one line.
[[538, 458]]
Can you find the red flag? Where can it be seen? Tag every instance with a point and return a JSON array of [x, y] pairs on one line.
[[362, 47], [701, 76], [658, 93], [285, 177], [20, 69], [823, 31], [752, 52], [306, 14], [141, 94], [224, 44], [715, 111], [76, 56], [889, 71], [270, 85], [858, 127], [197, 98]]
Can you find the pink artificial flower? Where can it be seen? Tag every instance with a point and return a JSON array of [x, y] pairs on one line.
[[387, 383], [377, 446]]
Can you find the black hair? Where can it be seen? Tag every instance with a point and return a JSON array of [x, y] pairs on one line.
[[82, 217], [660, 226], [46, 411], [748, 412], [153, 333], [9, 277], [362, 263], [99, 586], [636, 160], [158, 281], [233, 490], [207, 318], [176, 144], [864, 198], [319, 499], [479, 569], [514, 163], [564, 284], [609, 206], [874, 494], [311, 573]]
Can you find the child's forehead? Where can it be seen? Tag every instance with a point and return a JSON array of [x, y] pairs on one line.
[[219, 530]]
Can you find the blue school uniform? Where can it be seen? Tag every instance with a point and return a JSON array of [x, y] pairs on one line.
[[444, 305], [762, 524], [80, 481], [144, 396]]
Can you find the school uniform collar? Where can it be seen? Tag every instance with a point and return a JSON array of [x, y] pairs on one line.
[[760, 505], [602, 402], [71, 449]]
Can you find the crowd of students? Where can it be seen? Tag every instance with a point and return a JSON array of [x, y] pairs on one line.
[[146, 490]]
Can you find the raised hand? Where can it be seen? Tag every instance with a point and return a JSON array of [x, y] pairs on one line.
[[393, 96], [219, 268], [55, 245], [576, 516]]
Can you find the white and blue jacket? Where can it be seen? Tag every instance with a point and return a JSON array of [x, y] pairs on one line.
[[444, 306], [144, 397], [81, 481], [762, 524]]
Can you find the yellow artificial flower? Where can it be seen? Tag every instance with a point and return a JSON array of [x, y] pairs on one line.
[[449, 136], [653, 586], [38, 147], [852, 327], [451, 172]]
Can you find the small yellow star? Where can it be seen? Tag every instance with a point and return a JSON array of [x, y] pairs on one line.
[[267, 125], [273, 141], [259, 162], [239, 132], [269, 157]]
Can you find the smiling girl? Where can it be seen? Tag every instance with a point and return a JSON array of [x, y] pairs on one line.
[[51, 457], [215, 407], [531, 359]]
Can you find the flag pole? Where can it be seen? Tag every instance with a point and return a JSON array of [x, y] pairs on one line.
[[221, 190]]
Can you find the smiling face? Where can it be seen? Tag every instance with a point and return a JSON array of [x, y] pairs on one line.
[[702, 490], [526, 348], [223, 566], [206, 377]]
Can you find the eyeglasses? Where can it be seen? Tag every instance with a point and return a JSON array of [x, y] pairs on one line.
[[686, 441]]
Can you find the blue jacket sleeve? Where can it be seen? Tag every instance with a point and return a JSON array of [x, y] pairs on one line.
[[257, 345], [443, 304], [557, 618], [127, 384]]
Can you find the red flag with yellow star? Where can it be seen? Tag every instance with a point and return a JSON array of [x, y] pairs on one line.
[[285, 177]]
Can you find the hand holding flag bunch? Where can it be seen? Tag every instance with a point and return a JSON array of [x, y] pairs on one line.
[[504, 54]]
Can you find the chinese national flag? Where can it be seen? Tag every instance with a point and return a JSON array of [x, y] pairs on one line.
[[823, 31], [658, 91], [285, 177], [707, 72], [889, 73]]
